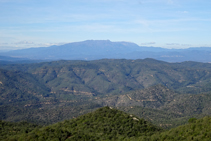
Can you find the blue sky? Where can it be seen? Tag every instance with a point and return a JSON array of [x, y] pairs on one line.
[[159, 23]]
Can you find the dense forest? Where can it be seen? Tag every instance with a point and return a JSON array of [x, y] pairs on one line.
[[106, 124]]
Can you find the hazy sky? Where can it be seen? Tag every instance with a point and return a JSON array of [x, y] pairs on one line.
[[160, 23]]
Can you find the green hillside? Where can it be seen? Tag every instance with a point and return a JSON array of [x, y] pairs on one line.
[[21, 93], [106, 124], [103, 124], [88, 78], [16, 86], [160, 105], [9, 129], [195, 130], [152, 97], [161, 118]]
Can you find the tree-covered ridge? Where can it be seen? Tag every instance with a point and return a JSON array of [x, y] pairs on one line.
[[195, 130], [110, 76], [106, 124], [103, 124]]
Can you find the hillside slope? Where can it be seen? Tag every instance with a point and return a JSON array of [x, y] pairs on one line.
[[16, 86], [49, 92], [161, 105], [106, 124], [103, 124], [152, 97], [196, 130], [88, 78]]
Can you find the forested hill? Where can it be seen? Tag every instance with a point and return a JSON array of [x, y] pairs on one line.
[[106, 124], [196, 130], [103, 124], [111, 76]]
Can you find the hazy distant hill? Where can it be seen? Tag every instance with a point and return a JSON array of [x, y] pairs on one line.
[[99, 49], [86, 50], [13, 60]]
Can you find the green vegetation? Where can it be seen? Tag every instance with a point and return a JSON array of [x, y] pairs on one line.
[[10, 129], [106, 76], [106, 124], [161, 106], [164, 119], [103, 124], [196, 130]]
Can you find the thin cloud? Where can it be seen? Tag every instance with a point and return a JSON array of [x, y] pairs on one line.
[[185, 44], [177, 44], [173, 44], [148, 43], [23, 42]]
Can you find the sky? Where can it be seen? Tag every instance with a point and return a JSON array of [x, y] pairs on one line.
[[158, 23]]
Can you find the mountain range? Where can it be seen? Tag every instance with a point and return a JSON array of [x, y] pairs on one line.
[[107, 99], [101, 49], [166, 94]]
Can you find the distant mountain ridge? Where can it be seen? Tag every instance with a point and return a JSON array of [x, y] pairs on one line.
[[99, 49]]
